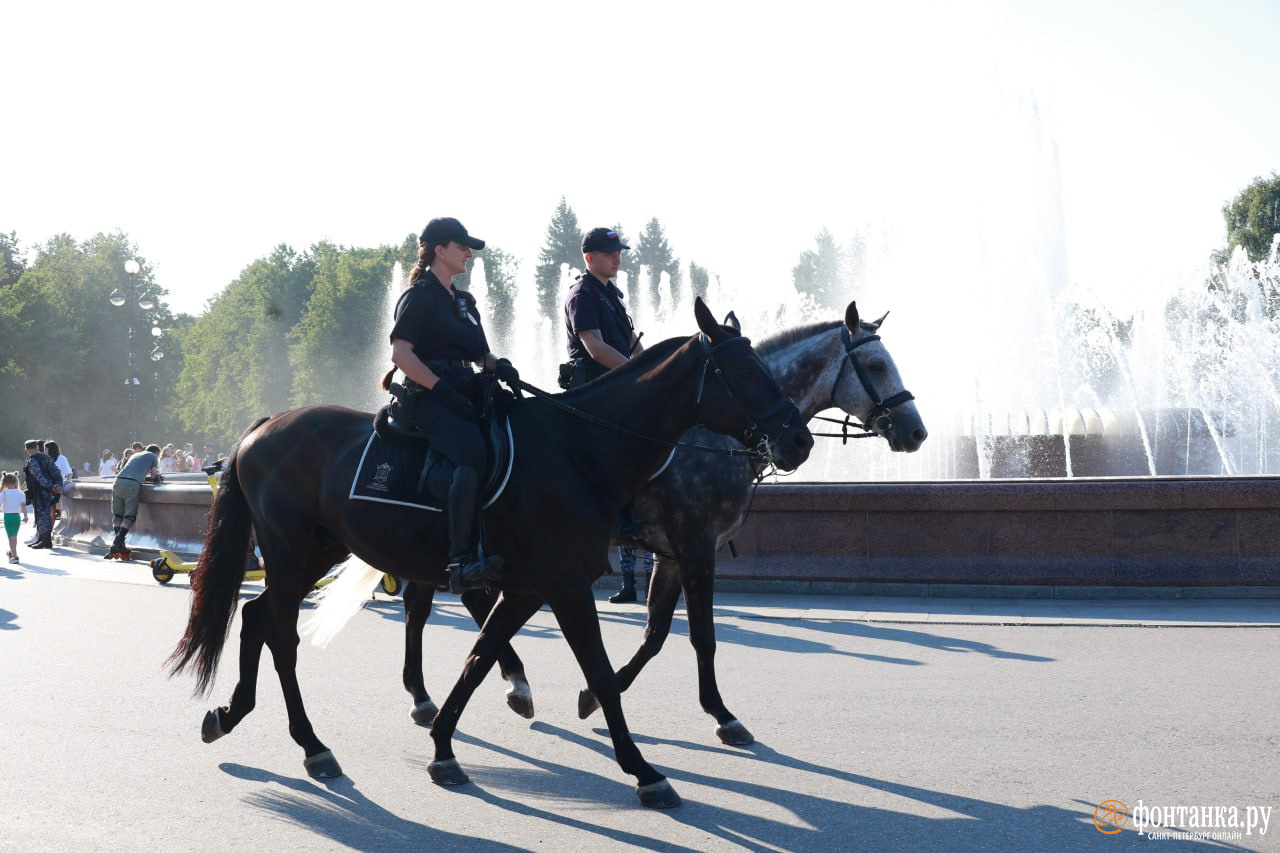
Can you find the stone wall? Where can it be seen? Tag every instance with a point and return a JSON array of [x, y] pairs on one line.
[[913, 538]]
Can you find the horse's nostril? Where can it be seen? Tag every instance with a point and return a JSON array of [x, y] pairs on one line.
[[919, 434], [804, 440]]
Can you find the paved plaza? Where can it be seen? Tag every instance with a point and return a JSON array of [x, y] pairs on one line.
[[881, 724]]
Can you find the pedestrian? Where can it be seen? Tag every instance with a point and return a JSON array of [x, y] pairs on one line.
[[125, 492], [59, 458], [12, 502], [436, 340], [600, 337], [44, 480], [107, 466]]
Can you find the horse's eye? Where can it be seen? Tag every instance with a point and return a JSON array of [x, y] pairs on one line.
[[878, 365]]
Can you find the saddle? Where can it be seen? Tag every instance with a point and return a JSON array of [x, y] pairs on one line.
[[399, 465]]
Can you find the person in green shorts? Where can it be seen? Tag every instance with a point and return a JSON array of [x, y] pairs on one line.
[[13, 503]]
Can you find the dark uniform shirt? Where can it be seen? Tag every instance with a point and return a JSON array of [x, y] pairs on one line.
[[595, 305], [440, 327]]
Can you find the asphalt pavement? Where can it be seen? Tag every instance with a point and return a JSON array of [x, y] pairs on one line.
[[881, 724]]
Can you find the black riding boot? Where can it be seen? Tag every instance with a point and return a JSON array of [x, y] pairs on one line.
[[466, 569]]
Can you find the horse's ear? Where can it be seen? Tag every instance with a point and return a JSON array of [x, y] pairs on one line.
[[706, 321], [731, 320], [851, 316], [875, 327]]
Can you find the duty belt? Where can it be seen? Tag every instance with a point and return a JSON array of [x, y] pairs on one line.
[[449, 364]]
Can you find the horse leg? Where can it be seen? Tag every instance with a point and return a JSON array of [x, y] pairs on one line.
[[664, 592], [519, 697], [255, 619], [575, 610], [697, 572], [285, 594], [417, 609], [504, 620]]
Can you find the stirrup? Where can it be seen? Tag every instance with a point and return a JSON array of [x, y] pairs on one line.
[[467, 571]]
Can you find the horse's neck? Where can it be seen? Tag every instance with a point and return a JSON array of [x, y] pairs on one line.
[[807, 370], [652, 410]]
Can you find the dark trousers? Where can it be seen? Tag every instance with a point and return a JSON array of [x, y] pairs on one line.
[[459, 440], [41, 501]]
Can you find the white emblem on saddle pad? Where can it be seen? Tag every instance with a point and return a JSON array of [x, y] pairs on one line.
[[379, 481]]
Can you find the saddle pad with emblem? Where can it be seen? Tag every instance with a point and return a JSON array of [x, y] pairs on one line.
[[389, 471]]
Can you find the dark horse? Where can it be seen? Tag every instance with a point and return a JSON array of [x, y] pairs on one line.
[[575, 466], [700, 500]]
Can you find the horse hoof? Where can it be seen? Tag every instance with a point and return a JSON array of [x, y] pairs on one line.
[[658, 795], [211, 728], [587, 704], [521, 703], [322, 765], [447, 772], [735, 733], [424, 713]]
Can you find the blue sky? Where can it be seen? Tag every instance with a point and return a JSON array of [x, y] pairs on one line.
[[1089, 144]]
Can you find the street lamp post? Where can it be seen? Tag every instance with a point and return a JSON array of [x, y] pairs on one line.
[[157, 353], [144, 301]]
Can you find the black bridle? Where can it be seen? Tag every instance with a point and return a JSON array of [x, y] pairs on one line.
[[879, 420], [753, 437]]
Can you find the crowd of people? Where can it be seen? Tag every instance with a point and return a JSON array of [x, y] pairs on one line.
[[35, 492], [174, 459]]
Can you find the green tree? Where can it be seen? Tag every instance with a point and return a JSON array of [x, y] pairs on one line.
[[500, 271], [69, 355], [654, 252], [236, 366], [699, 280], [11, 263], [1253, 219], [630, 264], [339, 347], [563, 245], [818, 272]]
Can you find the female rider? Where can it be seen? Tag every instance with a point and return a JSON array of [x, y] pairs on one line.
[[436, 342]]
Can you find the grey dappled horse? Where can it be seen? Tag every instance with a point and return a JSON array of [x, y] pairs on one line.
[[700, 501]]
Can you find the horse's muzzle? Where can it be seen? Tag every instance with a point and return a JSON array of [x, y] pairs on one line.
[[789, 451], [905, 432]]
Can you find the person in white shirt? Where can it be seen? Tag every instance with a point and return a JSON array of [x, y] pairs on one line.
[[107, 467], [12, 502]]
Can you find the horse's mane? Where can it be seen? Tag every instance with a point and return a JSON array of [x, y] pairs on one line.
[[787, 337], [641, 363]]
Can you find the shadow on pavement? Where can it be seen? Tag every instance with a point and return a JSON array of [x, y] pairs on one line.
[[827, 822], [335, 809]]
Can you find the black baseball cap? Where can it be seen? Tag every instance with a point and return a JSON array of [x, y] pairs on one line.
[[603, 240], [440, 231]]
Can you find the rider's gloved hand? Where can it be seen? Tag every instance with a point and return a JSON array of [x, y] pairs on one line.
[[506, 371], [454, 400]]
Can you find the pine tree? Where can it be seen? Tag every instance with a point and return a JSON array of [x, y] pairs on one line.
[[819, 271], [562, 246], [699, 280], [653, 251]]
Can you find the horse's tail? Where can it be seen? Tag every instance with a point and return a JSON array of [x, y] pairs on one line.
[[341, 599], [385, 384], [215, 583]]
